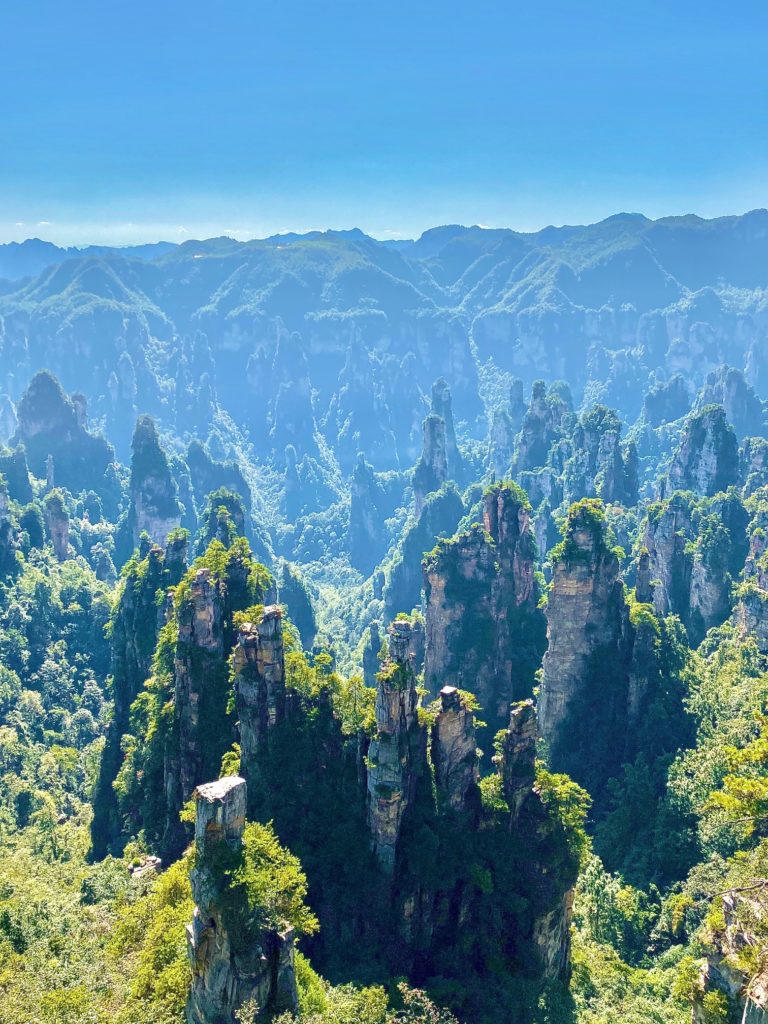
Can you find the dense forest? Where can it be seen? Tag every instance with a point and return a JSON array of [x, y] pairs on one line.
[[384, 628]]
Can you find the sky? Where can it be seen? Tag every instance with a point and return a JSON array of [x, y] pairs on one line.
[[124, 122]]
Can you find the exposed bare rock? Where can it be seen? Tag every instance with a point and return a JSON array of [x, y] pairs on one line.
[[258, 668], [707, 458], [431, 470], [519, 756], [443, 407], [397, 754], [584, 683], [233, 960], [454, 751], [57, 521], [485, 631], [739, 942]]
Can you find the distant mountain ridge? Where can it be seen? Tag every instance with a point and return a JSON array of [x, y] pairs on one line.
[[307, 329], [30, 257], [33, 255]]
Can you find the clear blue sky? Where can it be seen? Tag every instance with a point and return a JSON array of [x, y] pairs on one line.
[[128, 120]]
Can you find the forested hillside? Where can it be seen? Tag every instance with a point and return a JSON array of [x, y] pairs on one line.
[[384, 628]]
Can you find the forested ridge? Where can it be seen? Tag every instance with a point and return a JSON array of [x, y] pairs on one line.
[[384, 629]]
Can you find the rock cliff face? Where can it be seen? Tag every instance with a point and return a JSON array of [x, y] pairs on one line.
[[57, 521], [51, 424], [729, 388], [432, 468], [137, 620], [414, 801], [737, 944], [599, 465], [694, 551], [518, 752], [584, 689], [258, 669], [454, 752], [442, 406], [397, 755], [484, 630], [549, 888], [439, 517], [227, 972], [200, 640], [667, 535], [154, 507], [707, 458], [751, 609], [543, 424]]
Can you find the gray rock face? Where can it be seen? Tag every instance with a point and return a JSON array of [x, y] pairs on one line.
[[707, 458], [57, 521], [501, 444], [227, 973], [454, 751], [200, 628], [519, 757], [485, 632], [666, 538], [720, 972], [432, 468], [397, 754], [154, 506], [584, 677], [442, 406], [550, 933], [541, 427], [258, 665]]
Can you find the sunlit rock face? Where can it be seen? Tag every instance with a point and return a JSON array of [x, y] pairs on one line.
[[233, 960], [484, 629]]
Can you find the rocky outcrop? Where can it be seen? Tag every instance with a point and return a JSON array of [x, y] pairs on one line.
[[139, 615], [739, 942], [729, 388], [417, 804], [432, 468], [518, 752], [454, 752], [754, 464], [439, 518], [584, 688], [599, 465], [374, 497], [707, 459], [501, 444], [397, 755], [667, 535], [234, 961], [200, 641], [543, 424], [442, 406], [692, 552], [484, 630], [50, 423], [154, 508], [551, 891], [57, 521], [258, 670]]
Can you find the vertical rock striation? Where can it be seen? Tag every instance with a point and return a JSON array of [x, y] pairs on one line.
[[484, 629], [397, 754], [584, 689], [227, 971], [258, 668]]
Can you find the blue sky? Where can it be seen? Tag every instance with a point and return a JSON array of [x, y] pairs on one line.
[[123, 122]]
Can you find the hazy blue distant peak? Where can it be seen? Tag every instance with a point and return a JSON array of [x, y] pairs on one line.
[[30, 257]]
